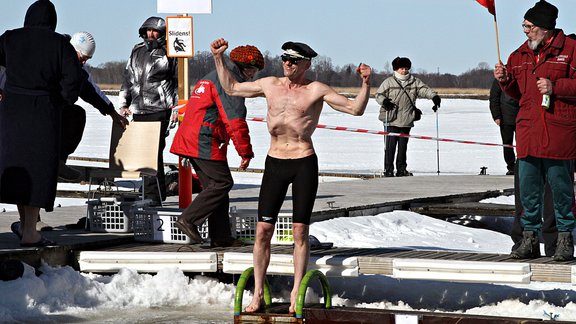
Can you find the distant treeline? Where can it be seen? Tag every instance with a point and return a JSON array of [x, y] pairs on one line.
[[322, 70]]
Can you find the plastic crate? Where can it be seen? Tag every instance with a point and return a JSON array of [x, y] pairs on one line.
[[158, 225], [113, 214], [245, 220]]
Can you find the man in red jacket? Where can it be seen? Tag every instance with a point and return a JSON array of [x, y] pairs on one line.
[[212, 118], [541, 74]]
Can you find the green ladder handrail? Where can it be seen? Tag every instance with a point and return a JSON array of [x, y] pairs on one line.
[[240, 291], [304, 286]]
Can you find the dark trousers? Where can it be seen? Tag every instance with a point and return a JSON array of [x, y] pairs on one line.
[[391, 143], [507, 134], [549, 230], [150, 187], [73, 124], [213, 201]]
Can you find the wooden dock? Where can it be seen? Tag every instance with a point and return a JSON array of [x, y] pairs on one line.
[[316, 314], [335, 199], [375, 261]]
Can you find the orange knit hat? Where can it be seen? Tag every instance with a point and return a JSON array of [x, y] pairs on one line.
[[248, 56]]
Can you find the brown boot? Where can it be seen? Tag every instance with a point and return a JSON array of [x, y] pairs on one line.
[[529, 247], [564, 247]]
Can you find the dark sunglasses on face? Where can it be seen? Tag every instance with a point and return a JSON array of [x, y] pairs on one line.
[[291, 59]]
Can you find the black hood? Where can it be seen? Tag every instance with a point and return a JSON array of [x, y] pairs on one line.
[[41, 14]]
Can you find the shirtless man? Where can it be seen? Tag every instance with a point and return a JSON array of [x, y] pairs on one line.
[[294, 106]]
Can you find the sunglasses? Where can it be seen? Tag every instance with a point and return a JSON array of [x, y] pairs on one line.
[[291, 59]]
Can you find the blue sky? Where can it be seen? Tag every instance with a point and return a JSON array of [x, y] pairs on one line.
[[450, 36]]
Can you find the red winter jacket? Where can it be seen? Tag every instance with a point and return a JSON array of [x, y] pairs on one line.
[[211, 119], [545, 133]]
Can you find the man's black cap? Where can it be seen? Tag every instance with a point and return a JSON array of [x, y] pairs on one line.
[[296, 48], [543, 14]]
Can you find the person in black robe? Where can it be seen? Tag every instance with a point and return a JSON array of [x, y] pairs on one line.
[[42, 74]]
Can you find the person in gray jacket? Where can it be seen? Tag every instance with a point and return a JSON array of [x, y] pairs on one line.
[[150, 91], [397, 98]]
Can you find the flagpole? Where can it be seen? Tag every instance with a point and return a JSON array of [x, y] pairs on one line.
[[497, 41]]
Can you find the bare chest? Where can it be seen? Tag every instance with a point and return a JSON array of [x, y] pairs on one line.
[[291, 102]]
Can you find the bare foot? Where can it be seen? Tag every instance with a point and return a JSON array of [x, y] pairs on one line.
[[293, 297], [31, 238], [256, 306]]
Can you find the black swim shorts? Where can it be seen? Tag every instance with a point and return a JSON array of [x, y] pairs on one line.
[[278, 175]]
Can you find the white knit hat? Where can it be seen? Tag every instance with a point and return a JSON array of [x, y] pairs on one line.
[[84, 43]]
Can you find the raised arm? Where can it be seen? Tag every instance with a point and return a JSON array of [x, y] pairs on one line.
[[357, 106], [229, 84]]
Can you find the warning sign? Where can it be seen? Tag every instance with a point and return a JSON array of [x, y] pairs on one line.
[[179, 36]]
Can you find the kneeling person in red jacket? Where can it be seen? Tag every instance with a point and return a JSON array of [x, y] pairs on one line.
[[212, 118]]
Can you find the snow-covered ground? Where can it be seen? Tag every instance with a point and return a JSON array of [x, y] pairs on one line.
[[63, 295]]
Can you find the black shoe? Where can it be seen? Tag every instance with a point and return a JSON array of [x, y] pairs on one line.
[[564, 247], [190, 230], [227, 243], [315, 244], [529, 247], [80, 224], [66, 173], [404, 173], [389, 174], [15, 228], [510, 172], [549, 249]]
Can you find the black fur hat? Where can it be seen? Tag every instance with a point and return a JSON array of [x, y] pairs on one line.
[[401, 62]]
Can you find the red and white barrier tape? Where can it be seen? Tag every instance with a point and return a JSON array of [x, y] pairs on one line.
[[367, 131]]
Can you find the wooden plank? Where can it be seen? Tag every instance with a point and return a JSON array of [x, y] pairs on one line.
[[464, 256], [375, 265], [551, 272], [465, 208]]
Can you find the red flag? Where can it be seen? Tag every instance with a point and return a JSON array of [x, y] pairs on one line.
[[489, 4]]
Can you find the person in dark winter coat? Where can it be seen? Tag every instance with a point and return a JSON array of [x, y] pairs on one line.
[[504, 110], [541, 74], [150, 91], [397, 97], [43, 74], [211, 119]]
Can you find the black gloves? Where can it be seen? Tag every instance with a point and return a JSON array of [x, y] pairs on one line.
[[436, 100], [388, 104]]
